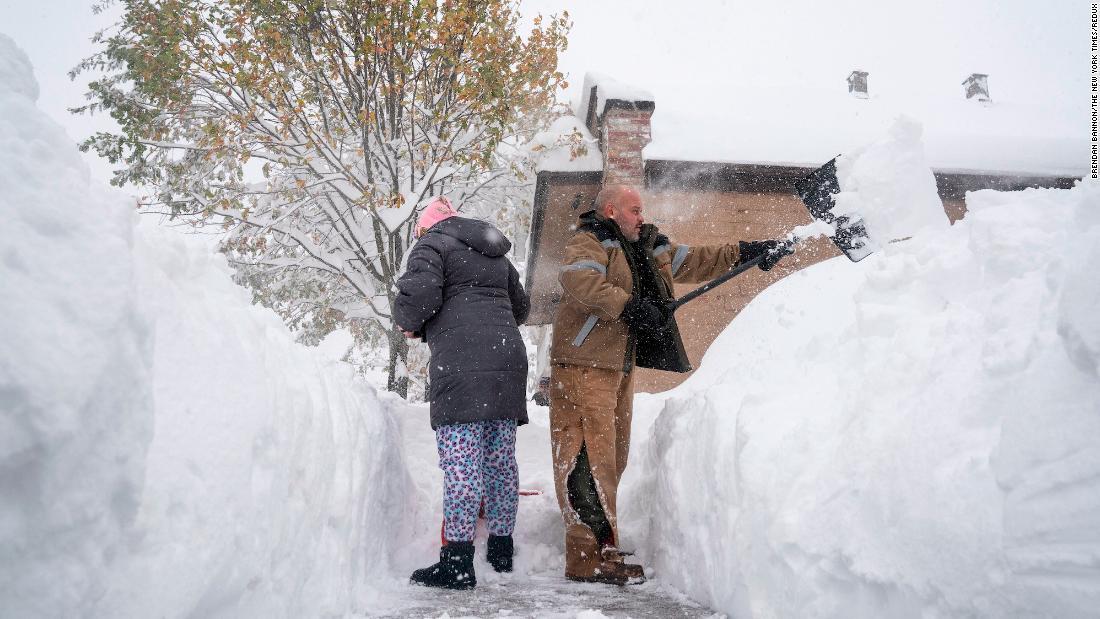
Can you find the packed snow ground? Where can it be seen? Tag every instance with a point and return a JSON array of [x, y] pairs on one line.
[[536, 588], [912, 435]]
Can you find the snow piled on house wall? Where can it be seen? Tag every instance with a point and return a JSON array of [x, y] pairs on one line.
[[910, 436], [166, 448]]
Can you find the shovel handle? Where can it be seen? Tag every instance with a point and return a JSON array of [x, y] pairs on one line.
[[725, 277], [718, 281]]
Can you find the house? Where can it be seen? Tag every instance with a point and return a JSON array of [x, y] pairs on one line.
[[721, 177]]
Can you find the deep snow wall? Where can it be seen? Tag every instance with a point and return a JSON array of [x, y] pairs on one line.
[[275, 480], [75, 397], [914, 435], [166, 448]]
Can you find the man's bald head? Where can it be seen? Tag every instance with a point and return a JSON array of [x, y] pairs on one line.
[[611, 196], [623, 204]]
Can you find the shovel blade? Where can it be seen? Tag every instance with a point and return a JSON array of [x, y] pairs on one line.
[[818, 191]]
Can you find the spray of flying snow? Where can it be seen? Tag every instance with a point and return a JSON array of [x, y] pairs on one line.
[[812, 230]]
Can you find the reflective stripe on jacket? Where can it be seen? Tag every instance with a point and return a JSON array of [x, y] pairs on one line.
[[597, 282]]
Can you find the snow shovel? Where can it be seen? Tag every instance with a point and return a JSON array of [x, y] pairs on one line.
[[817, 191]]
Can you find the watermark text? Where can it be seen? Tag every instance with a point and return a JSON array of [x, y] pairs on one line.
[[1094, 93]]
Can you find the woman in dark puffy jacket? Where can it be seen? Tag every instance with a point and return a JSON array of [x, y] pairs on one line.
[[462, 295]]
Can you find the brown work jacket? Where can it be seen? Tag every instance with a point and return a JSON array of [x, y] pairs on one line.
[[597, 280]]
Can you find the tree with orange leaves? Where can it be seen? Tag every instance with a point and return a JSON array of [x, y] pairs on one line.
[[311, 131]]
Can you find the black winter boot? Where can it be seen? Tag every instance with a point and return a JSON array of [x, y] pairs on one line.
[[499, 552], [455, 569]]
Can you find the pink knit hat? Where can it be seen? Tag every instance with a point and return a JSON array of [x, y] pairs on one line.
[[437, 210]]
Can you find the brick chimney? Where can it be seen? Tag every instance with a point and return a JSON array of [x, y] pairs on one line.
[[977, 87], [857, 84], [619, 116], [624, 133]]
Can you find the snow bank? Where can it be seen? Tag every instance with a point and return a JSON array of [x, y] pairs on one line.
[[275, 481], [16, 70], [75, 356], [911, 436], [166, 449]]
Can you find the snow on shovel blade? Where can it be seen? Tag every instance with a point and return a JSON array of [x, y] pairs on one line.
[[817, 192]]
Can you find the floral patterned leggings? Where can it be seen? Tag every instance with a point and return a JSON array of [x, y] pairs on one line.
[[479, 468]]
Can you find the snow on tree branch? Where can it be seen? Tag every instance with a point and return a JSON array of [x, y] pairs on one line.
[[312, 132]]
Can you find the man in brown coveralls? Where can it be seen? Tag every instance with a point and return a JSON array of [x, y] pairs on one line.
[[614, 314]]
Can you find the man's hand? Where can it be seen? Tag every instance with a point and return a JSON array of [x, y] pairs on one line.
[[643, 315], [773, 252]]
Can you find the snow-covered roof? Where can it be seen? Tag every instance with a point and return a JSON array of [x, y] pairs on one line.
[[959, 135], [555, 148], [767, 82]]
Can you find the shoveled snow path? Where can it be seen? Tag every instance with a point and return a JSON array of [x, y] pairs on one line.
[[548, 595], [537, 587]]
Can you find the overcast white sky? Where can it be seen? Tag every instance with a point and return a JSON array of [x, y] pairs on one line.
[[1035, 52], [1032, 50], [759, 80], [56, 35]]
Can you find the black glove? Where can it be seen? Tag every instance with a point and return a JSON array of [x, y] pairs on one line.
[[643, 315], [773, 252], [542, 393]]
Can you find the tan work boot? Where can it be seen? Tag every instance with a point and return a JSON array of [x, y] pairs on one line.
[[633, 571], [584, 561], [607, 573]]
